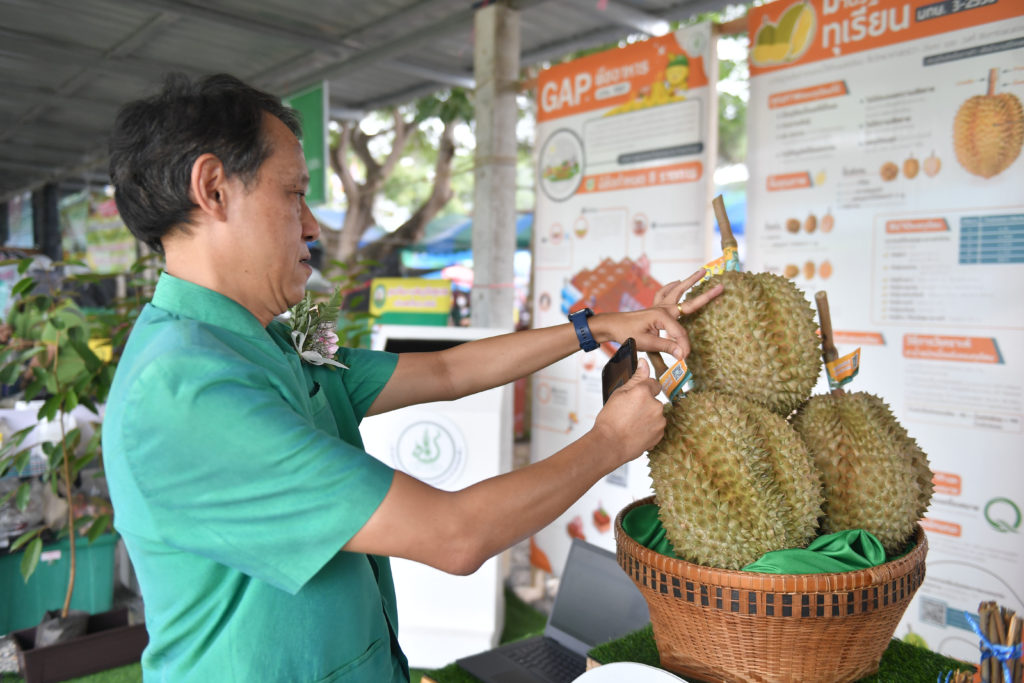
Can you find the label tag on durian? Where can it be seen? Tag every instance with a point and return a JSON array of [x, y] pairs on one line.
[[729, 260], [842, 370], [673, 379]]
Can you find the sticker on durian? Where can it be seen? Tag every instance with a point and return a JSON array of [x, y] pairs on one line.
[[729, 260], [673, 379], [842, 370]]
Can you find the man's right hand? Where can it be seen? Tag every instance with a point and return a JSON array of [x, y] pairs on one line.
[[633, 420]]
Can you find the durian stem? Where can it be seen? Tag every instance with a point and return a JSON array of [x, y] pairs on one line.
[[660, 368], [993, 76], [828, 347], [723, 223]]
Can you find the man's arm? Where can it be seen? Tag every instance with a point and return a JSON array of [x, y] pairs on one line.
[[457, 531], [482, 364]]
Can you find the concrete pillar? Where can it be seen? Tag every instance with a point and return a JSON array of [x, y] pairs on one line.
[[496, 71]]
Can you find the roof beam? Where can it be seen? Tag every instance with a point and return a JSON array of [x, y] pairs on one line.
[[454, 79], [624, 15], [237, 21], [399, 45]]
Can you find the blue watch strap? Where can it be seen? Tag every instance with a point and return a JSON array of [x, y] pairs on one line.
[[582, 327]]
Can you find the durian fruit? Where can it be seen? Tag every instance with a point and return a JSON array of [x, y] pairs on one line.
[[988, 131], [757, 339], [875, 475], [732, 481]]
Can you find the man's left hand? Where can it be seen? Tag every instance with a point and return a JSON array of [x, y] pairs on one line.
[[647, 325]]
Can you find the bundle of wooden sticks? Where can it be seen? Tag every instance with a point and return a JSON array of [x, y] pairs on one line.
[[1001, 627]]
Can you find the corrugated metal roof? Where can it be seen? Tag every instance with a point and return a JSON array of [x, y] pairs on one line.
[[67, 65]]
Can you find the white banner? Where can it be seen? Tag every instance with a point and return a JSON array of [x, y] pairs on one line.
[[625, 152], [885, 169]]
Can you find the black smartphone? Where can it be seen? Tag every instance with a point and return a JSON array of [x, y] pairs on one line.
[[619, 369]]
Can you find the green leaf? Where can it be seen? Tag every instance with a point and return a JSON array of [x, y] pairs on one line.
[[33, 388], [50, 407], [19, 436], [22, 286], [89, 403], [23, 496], [6, 497], [22, 459], [24, 264], [88, 356], [73, 438], [30, 558], [70, 401], [25, 538], [99, 526], [50, 450]]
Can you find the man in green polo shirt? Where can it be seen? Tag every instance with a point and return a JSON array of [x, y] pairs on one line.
[[258, 526]]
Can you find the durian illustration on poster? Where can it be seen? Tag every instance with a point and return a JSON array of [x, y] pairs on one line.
[[885, 165], [624, 153]]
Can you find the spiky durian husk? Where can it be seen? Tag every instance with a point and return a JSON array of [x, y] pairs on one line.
[[876, 476], [757, 339], [732, 481]]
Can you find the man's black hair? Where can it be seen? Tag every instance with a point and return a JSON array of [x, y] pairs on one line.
[[156, 141]]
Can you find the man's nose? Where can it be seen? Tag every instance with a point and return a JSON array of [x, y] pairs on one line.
[[310, 225]]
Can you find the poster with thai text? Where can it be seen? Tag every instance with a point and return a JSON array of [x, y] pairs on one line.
[[625, 152], [886, 170]]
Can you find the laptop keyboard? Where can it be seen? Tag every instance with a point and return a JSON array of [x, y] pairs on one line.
[[550, 658]]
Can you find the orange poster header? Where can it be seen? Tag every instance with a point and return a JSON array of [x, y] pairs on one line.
[[655, 71], [941, 527], [962, 349], [916, 225], [804, 95], [947, 482], [686, 172], [858, 338], [787, 181], [786, 33]]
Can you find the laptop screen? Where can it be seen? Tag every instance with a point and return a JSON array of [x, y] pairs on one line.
[[596, 600]]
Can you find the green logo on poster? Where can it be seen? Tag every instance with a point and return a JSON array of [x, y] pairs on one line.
[[380, 295], [999, 512]]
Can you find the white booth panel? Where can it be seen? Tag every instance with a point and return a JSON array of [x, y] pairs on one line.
[[448, 445]]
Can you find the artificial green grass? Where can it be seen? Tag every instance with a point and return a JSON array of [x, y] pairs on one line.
[[901, 662], [131, 673]]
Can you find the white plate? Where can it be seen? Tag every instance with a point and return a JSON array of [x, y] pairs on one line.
[[628, 672]]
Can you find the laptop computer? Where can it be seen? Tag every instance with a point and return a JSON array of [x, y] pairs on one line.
[[596, 602]]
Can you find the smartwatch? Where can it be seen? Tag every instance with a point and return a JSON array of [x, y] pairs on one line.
[[582, 327]]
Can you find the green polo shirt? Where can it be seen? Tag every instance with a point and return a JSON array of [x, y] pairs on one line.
[[237, 473]]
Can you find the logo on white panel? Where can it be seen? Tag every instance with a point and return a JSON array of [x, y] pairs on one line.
[[432, 450]]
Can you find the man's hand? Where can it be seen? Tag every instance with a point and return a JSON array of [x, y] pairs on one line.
[[646, 326], [632, 421]]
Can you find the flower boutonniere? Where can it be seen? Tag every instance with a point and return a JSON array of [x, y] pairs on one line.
[[314, 330]]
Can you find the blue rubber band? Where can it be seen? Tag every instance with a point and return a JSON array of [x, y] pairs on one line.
[[1005, 654]]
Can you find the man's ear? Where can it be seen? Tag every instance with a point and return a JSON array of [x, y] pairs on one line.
[[208, 186]]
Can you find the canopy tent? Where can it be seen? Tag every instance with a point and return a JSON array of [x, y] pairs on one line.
[[450, 242]]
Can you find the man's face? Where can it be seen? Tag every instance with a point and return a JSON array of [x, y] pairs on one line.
[[274, 227]]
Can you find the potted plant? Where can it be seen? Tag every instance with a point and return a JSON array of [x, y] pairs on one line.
[[51, 356]]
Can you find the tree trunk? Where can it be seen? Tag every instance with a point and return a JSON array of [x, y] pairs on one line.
[[362, 196], [412, 230]]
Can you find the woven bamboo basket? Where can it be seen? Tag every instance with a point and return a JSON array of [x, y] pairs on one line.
[[720, 625]]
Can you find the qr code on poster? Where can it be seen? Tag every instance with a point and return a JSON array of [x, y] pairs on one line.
[[933, 612]]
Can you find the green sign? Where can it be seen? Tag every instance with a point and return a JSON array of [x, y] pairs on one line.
[[311, 104]]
